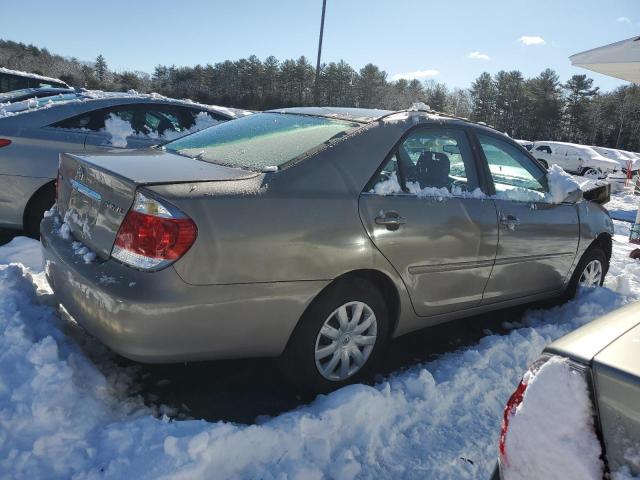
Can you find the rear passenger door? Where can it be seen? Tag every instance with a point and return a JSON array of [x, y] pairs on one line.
[[421, 213], [538, 240]]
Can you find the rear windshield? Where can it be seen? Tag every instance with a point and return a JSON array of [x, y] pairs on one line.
[[261, 140]]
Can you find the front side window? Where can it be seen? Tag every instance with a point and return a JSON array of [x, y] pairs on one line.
[[514, 175], [262, 140], [429, 162]]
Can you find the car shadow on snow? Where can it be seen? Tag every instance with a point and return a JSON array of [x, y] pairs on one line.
[[249, 391]]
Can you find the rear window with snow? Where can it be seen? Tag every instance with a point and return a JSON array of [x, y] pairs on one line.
[[262, 140]]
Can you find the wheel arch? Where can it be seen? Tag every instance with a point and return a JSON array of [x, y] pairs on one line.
[[382, 281], [49, 185]]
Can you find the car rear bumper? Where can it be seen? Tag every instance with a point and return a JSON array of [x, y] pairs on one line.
[[158, 318]]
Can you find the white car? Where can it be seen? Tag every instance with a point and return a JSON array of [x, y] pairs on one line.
[[528, 144], [620, 156], [574, 158]]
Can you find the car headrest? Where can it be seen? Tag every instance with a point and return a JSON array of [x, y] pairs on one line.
[[432, 169]]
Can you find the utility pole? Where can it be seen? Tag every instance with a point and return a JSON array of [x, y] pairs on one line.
[[317, 83]]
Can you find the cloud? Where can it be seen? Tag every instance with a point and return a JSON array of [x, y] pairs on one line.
[[478, 56], [623, 20], [416, 75], [532, 40]]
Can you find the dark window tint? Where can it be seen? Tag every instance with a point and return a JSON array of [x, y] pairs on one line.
[[144, 120]]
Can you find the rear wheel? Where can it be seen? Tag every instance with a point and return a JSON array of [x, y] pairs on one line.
[[339, 338], [590, 272], [42, 201]]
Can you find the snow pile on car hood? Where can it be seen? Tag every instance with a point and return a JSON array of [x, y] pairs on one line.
[[60, 417]]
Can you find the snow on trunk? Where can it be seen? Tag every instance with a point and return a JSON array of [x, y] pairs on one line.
[[551, 434]]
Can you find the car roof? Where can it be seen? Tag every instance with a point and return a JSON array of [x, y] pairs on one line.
[[563, 144], [361, 115], [369, 115], [99, 99]]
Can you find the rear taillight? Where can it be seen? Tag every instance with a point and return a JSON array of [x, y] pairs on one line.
[[153, 235], [514, 402], [4, 142]]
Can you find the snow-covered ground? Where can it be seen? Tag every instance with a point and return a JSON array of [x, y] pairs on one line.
[[60, 417]]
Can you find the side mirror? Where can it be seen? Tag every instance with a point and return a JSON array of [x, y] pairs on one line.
[[573, 197]]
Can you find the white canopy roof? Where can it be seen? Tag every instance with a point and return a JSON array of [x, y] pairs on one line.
[[620, 60]]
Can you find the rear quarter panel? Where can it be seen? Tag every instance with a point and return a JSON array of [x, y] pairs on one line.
[[616, 372]]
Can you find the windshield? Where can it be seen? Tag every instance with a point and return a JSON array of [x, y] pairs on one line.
[[260, 141]]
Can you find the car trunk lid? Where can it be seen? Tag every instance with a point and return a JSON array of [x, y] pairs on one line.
[[97, 190]]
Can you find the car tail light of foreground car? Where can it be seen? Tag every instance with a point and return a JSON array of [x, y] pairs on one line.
[[153, 235], [548, 429]]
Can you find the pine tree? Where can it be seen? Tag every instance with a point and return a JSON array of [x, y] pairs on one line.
[[101, 70]]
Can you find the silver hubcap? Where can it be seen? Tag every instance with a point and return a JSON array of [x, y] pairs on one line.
[[591, 275], [345, 341]]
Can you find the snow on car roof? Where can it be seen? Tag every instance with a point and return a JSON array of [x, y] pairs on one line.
[[30, 75], [7, 110]]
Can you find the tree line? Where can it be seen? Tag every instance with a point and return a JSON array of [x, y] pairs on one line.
[[538, 108]]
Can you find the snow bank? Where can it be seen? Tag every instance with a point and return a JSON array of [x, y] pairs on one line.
[[23, 250], [551, 434], [60, 417]]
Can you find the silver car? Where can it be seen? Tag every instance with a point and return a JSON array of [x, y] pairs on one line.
[[605, 354], [35, 131], [314, 234]]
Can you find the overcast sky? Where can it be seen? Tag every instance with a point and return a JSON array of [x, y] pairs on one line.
[[451, 41]]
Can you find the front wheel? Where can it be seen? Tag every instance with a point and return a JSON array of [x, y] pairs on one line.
[[590, 272], [544, 163], [591, 172], [339, 338]]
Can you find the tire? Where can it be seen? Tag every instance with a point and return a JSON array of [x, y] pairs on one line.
[[299, 363], [593, 253], [544, 163], [42, 201], [590, 172]]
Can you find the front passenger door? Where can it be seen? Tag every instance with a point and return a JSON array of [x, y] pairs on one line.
[[423, 212], [538, 239]]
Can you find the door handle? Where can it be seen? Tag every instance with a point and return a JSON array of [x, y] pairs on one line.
[[509, 221], [391, 220]]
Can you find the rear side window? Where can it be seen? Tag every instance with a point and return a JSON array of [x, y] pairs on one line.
[[163, 122], [261, 140], [429, 162]]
